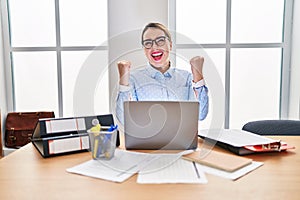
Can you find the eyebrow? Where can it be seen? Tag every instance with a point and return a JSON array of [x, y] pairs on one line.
[[154, 38]]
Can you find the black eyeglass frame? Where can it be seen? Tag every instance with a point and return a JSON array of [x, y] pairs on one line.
[[156, 41]]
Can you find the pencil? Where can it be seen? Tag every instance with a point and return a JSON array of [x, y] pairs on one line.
[[96, 144]]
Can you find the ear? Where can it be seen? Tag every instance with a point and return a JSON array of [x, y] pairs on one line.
[[171, 45]]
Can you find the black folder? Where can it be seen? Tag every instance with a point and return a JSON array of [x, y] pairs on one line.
[[242, 142], [58, 136]]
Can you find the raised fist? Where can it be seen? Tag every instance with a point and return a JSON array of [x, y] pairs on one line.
[[197, 66], [124, 72]]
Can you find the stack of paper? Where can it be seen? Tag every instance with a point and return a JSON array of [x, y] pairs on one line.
[[152, 168], [166, 168]]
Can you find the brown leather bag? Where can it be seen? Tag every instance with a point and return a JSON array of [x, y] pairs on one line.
[[19, 127]]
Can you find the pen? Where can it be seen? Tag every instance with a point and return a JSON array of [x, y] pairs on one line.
[[107, 145], [196, 170], [95, 131], [107, 141], [112, 128]]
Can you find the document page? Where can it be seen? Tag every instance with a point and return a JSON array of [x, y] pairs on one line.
[[122, 166], [171, 169], [152, 168]]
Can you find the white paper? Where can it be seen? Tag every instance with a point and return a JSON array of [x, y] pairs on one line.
[[171, 169], [126, 163], [122, 166], [235, 137], [231, 175]]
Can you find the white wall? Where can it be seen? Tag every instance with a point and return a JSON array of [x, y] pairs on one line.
[[294, 111], [126, 20]]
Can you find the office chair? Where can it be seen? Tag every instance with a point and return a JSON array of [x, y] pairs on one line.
[[273, 127]]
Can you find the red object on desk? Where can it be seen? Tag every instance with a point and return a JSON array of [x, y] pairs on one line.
[[275, 146]]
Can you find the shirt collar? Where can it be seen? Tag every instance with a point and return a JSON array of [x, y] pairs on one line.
[[155, 73]]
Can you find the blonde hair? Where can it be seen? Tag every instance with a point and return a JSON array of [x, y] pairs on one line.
[[158, 26]]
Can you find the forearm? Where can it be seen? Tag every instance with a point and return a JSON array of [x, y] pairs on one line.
[[202, 97], [122, 96]]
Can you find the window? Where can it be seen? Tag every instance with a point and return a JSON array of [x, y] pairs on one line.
[[54, 45], [248, 43], [57, 55]]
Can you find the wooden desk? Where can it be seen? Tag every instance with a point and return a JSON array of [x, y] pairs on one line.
[[24, 174]]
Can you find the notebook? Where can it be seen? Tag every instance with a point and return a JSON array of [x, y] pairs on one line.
[[156, 125], [223, 161]]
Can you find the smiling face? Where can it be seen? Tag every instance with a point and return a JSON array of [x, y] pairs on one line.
[[158, 54]]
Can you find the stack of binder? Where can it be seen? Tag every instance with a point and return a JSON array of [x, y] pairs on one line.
[[57, 136]]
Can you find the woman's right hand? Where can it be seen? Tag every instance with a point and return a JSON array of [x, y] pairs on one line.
[[124, 72]]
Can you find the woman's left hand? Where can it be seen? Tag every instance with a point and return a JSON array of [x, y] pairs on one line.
[[197, 66]]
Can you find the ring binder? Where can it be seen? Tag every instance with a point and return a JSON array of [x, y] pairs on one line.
[[58, 136]]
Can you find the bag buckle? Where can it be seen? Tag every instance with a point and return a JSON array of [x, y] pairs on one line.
[[12, 138]]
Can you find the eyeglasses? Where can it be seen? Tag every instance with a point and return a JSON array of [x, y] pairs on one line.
[[159, 41]]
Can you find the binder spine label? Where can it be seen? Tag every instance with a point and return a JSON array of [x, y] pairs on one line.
[[68, 145], [65, 125]]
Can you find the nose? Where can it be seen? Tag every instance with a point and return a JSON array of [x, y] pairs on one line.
[[154, 43]]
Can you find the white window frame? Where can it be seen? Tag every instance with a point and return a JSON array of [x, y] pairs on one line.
[[8, 50], [285, 46]]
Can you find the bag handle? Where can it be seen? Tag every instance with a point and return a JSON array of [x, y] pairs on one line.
[[28, 113]]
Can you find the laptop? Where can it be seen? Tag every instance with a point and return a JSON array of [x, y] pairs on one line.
[[156, 125]]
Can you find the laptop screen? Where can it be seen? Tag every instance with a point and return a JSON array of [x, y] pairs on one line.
[[161, 124]]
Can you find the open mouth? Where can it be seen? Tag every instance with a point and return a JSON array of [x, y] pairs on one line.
[[157, 55]]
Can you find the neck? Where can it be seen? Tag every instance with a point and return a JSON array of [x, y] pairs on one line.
[[162, 69]]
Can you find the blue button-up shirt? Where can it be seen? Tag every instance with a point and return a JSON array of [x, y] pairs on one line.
[[150, 84]]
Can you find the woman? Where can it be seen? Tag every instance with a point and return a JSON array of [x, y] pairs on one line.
[[159, 80]]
